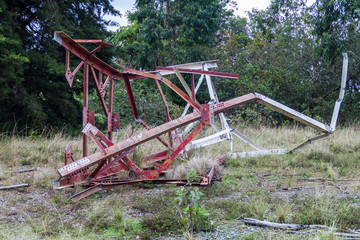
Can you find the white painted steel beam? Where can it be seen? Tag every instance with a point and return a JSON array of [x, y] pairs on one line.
[[309, 141], [214, 98], [183, 82], [281, 108], [256, 153], [195, 65], [342, 92], [246, 140], [209, 140]]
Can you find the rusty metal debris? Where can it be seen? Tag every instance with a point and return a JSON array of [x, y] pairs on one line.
[[99, 170]]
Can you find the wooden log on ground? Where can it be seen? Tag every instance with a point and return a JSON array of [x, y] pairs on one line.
[[352, 235], [256, 222], [14, 186], [20, 171], [24, 170]]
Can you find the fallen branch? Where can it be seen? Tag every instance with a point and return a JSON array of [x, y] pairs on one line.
[[313, 179], [256, 222], [357, 235], [20, 171], [14, 186], [353, 231]]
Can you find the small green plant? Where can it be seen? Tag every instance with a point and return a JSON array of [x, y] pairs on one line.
[[283, 211], [193, 215], [259, 208]]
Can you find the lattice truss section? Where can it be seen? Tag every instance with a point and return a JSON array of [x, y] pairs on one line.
[[100, 170]]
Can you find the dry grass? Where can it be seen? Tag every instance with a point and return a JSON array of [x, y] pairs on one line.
[[199, 163], [248, 192], [46, 154]]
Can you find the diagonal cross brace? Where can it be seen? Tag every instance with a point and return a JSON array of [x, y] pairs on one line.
[[148, 135]]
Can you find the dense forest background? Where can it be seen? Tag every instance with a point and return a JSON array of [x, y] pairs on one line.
[[290, 52]]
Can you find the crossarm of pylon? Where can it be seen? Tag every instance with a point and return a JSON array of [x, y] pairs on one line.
[[148, 135]]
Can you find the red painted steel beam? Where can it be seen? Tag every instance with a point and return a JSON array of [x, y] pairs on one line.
[[82, 53], [134, 141], [167, 162], [110, 107], [98, 90], [196, 71], [85, 106], [168, 83], [148, 128], [131, 97], [167, 114], [95, 41]]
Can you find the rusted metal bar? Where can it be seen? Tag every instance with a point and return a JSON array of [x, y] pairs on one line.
[[180, 148], [168, 83], [131, 97], [67, 68], [85, 193], [69, 154], [116, 160], [158, 137], [167, 114], [69, 75], [85, 106], [97, 87], [192, 87], [103, 86], [152, 158], [110, 108], [100, 78], [106, 185]]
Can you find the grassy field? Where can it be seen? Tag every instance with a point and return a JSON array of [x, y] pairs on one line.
[[317, 186]]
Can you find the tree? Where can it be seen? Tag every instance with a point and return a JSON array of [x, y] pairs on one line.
[[34, 86], [164, 32], [336, 26]]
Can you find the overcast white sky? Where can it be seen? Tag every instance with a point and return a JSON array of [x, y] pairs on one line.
[[125, 5]]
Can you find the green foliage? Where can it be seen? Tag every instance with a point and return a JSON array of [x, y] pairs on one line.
[[278, 56], [288, 52], [170, 32], [193, 216], [228, 209], [34, 90], [110, 221], [327, 210]]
